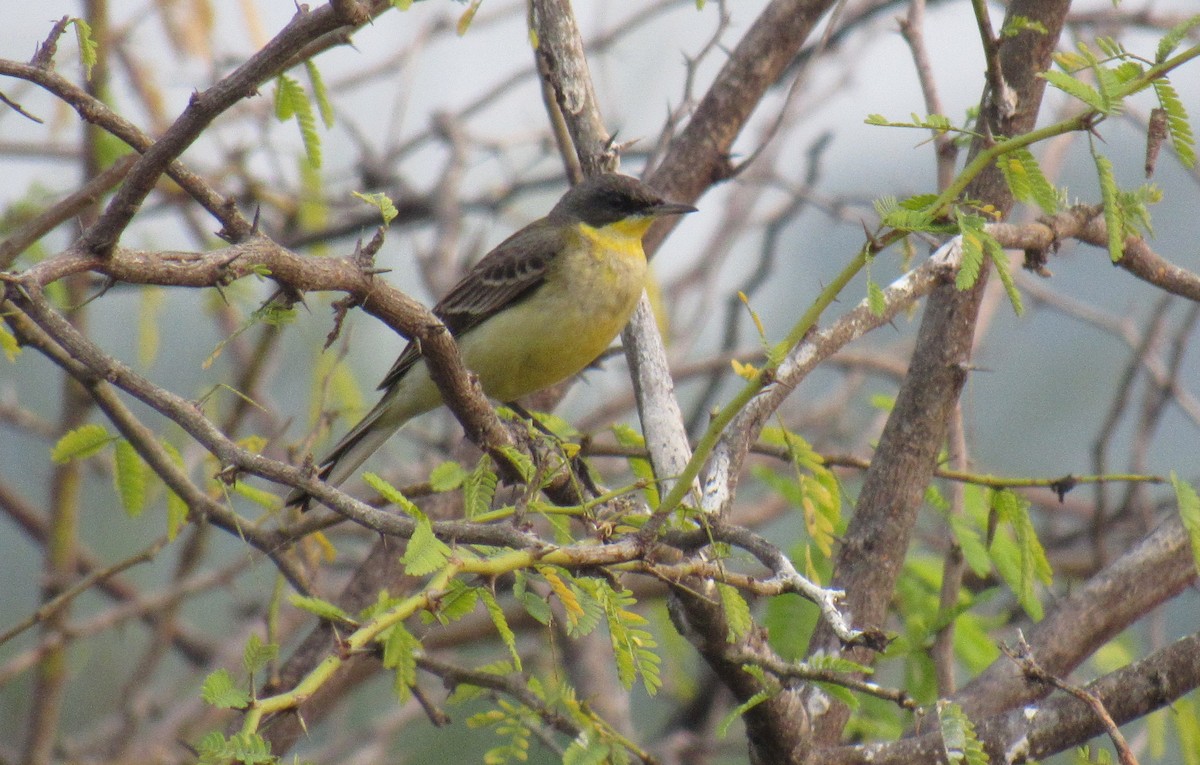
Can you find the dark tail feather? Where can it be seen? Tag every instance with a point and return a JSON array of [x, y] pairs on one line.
[[352, 451]]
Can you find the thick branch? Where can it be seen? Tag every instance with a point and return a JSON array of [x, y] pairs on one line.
[[1159, 568], [876, 542], [1060, 723]]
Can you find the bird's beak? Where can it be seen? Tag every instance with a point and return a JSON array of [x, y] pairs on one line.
[[671, 208]]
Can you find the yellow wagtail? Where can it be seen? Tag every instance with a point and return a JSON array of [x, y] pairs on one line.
[[534, 311]]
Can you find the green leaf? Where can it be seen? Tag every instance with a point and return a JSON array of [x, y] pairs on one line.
[[1128, 71], [130, 477], [81, 443], [1076, 88], [466, 692], [1187, 730], [1026, 180], [632, 645], [1189, 513], [1135, 208], [1033, 566], [257, 654], [581, 599], [447, 476], [501, 624], [587, 749], [9, 345], [458, 601], [322, 609], [972, 260], [178, 511], [521, 461], [535, 605], [261, 497], [1018, 24], [177, 508], [737, 612], [734, 714], [1174, 36], [996, 255], [394, 496], [244, 748], [213, 749], [250, 749], [220, 691], [464, 21], [479, 488], [425, 553], [876, 300], [291, 101], [87, 46], [1110, 88], [381, 202], [959, 742], [1178, 125], [912, 214], [640, 466], [320, 92], [975, 553], [400, 649], [838, 664], [1114, 217], [151, 304]]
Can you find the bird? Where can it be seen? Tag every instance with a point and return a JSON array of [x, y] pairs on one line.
[[537, 309]]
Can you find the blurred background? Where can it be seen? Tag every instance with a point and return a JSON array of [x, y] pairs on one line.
[[431, 116]]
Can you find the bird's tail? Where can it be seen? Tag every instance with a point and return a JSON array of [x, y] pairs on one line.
[[352, 451]]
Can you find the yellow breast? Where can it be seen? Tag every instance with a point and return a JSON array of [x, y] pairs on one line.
[[589, 293]]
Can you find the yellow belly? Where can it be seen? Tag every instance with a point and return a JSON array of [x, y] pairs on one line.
[[556, 332], [587, 298]]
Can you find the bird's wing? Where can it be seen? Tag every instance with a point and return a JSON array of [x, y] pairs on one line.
[[503, 277]]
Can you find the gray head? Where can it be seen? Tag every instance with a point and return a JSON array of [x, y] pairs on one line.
[[610, 197]]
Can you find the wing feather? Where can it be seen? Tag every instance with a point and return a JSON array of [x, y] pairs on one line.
[[505, 276]]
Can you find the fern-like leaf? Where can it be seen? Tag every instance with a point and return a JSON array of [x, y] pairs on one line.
[[737, 612], [971, 265], [1033, 563], [876, 300], [1114, 217], [88, 48], [177, 507], [425, 553], [320, 92], [1174, 36], [1076, 88], [292, 102], [641, 467], [257, 653], [1026, 180], [321, 608], [458, 601], [381, 202], [723, 727], [1189, 512], [393, 495], [959, 741], [131, 477], [479, 488], [81, 443], [996, 255], [633, 646], [400, 649], [500, 622], [1178, 125], [220, 690]]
